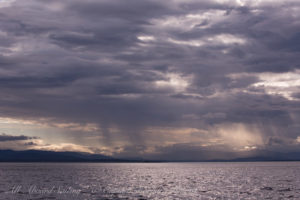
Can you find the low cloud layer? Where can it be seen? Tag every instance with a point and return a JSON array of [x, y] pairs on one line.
[[141, 78], [4, 137]]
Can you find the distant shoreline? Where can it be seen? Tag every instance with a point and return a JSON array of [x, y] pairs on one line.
[[125, 161], [79, 157]]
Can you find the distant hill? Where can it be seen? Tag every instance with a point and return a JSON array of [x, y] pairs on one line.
[[271, 156], [52, 156], [262, 156]]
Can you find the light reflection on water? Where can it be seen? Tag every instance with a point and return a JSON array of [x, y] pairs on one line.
[[257, 180]]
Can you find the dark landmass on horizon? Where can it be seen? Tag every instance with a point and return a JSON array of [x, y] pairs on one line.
[[52, 156]]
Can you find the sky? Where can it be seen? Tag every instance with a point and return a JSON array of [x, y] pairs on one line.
[[180, 79]]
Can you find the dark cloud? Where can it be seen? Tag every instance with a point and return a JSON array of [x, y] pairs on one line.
[[4, 137], [30, 144], [296, 95], [134, 65]]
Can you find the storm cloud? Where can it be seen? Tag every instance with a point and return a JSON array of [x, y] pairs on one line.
[[4, 137], [119, 75]]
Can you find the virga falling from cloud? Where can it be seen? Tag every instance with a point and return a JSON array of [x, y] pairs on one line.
[[149, 76]]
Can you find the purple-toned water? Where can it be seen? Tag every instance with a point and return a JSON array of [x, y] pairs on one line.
[[257, 180]]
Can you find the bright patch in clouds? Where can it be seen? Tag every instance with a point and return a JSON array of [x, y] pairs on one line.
[[239, 136], [90, 127], [250, 2], [63, 147], [284, 84], [5, 3], [169, 135], [46, 123], [227, 39], [221, 39], [40, 144], [146, 38], [175, 81], [238, 2], [190, 21], [195, 43], [45, 134], [7, 120]]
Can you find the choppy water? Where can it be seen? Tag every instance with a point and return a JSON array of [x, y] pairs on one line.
[[259, 180]]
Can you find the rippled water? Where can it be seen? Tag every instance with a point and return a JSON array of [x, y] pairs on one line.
[[259, 180]]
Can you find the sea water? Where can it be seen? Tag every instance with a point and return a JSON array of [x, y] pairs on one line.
[[224, 180]]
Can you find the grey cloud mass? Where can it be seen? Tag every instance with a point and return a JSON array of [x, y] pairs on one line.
[[4, 137], [159, 75]]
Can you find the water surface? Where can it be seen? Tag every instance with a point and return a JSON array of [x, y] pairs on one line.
[[257, 180]]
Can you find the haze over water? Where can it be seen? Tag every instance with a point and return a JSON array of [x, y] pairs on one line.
[[257, 180]]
